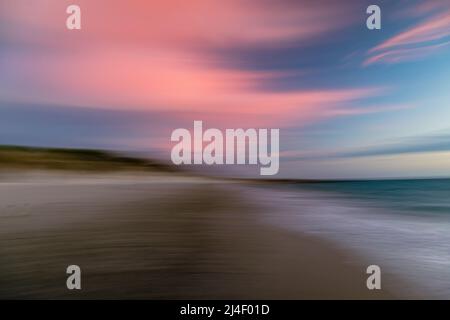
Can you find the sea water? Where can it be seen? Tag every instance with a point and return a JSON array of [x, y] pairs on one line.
[[402, 225]]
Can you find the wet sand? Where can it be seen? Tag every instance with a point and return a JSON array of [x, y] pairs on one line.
[[161, 237]]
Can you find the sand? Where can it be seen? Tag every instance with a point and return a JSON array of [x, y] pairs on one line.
[[161, 237]]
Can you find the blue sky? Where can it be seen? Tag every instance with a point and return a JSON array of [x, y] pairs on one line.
[[350, 102]]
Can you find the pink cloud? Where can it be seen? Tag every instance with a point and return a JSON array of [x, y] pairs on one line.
[[174, 23], [436, 28], [417, 42], [148, 55], [403, 55], [170, 82]]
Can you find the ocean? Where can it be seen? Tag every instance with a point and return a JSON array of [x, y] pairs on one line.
[[401, 225]]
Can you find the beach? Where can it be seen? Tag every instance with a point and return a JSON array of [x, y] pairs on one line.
[[162, 237]]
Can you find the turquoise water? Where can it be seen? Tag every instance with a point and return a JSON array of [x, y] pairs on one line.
[[421, 196]]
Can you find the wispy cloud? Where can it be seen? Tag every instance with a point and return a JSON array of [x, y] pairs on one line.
[[405, 54], [438, 142], [425, 38], [168, 82], [177, 23]]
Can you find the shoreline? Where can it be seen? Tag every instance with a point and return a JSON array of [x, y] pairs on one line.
[[305, 213]]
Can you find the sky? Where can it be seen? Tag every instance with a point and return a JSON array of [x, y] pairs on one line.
[[349, 102]]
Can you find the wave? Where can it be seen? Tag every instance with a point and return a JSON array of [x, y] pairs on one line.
[[414, 247]]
